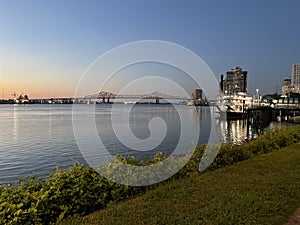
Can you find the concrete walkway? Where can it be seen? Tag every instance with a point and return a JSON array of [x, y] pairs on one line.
[[295, 218]]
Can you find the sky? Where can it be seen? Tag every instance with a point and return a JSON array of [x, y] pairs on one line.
[[47, 46]]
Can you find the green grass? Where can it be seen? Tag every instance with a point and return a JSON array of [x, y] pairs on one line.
[[262, 190], [80, 190]]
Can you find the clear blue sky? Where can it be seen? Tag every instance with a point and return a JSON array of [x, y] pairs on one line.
[[45, 46]]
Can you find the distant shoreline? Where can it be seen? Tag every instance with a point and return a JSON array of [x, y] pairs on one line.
[[71, 103]]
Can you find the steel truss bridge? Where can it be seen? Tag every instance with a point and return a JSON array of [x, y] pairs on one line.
[[106, 97], [109, 97]]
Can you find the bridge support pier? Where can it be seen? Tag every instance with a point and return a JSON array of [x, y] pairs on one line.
[[157, 100]]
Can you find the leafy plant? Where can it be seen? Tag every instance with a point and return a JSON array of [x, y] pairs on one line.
[[81, 190]]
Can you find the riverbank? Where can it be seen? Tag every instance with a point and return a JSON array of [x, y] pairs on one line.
[[80, 190], [263, 190]]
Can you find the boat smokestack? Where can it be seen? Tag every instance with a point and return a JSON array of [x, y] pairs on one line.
[[221, 83], [245, 82]]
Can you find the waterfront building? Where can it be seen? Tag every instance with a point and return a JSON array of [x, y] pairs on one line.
[[292, 84], [197, 95], [234, 82], [295, 75], [286, 89], [286, 86], [295, 88]]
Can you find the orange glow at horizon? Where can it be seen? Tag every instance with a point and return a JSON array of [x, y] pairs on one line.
[[36, 76], [37, 90], [7, 93]]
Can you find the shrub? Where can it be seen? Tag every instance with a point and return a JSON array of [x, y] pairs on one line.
[[81, 190]]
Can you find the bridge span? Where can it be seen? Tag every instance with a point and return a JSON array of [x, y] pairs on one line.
[[109, 97]]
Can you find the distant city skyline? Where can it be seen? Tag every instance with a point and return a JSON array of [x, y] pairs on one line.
[[45, 47]]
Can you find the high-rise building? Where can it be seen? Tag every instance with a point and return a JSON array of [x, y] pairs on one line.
[[197, 95], [295, 75], [235, 81]]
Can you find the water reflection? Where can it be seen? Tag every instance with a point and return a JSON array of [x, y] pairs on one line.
[[232, 131], [15, 121], [50, 123], [235, 131], [199, 112]]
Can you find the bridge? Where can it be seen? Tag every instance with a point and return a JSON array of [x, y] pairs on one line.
[[106, 97], [109, 97]]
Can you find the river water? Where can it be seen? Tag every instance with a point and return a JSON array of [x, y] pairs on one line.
[[35, 139]]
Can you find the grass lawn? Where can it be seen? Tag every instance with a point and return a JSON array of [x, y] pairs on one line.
[[263, 190]]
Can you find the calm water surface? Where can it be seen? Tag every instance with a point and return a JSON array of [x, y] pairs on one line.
[[35, 139]]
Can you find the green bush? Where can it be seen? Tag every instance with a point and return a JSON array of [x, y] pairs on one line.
[[268, 142], [81, 190]]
